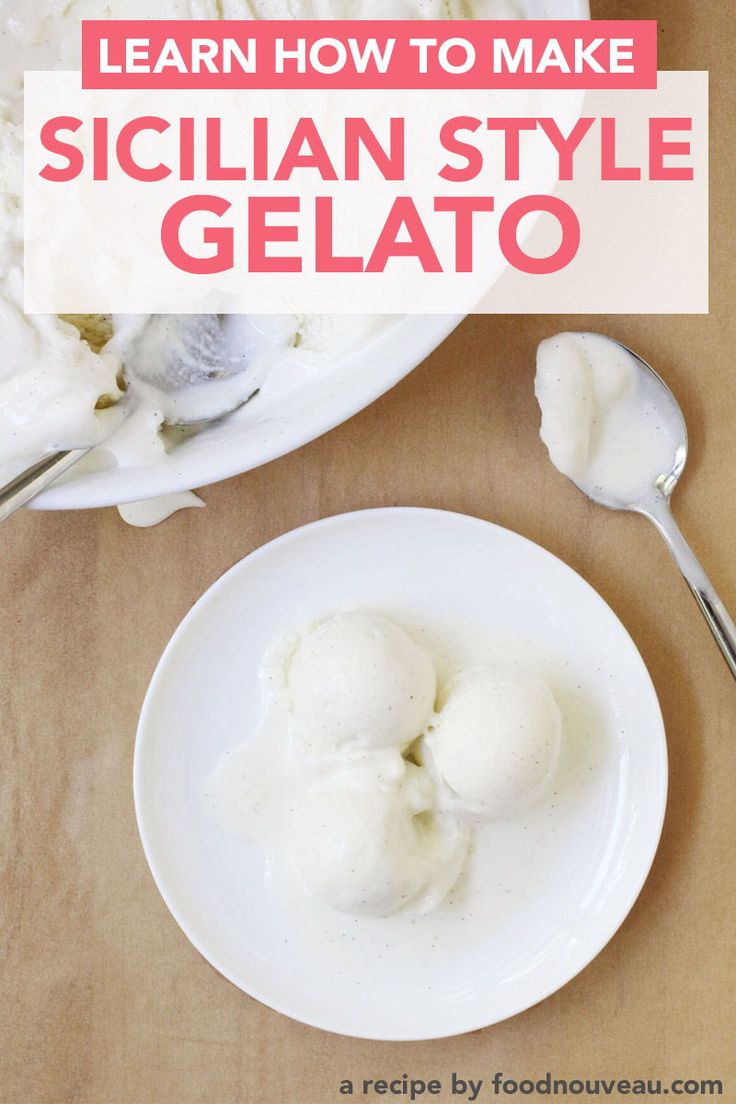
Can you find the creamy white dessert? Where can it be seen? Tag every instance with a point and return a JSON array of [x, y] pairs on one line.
[[59, 376], [361, 787], [153, 511], [601, 420], [367, 838], [358, 680], [495, 743]]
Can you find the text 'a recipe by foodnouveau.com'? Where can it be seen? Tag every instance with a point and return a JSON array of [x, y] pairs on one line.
[[463, 166]]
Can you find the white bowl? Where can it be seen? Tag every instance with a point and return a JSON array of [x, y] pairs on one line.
[[565, 874], [266, 430], [262, 431]]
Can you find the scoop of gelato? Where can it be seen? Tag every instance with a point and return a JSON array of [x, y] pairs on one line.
[[366, 841], [496, 741], [357, 679]]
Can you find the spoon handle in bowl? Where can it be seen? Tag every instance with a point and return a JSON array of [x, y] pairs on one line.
[[715, 613], [45, 471], [35, 479]]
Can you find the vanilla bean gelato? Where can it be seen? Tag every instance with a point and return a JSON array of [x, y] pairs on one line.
[[362, 786]]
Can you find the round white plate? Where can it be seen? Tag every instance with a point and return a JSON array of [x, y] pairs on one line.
[[562, 893]]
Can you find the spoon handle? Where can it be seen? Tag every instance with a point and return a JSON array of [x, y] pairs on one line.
[[42, 474], [35, 479], [715, 613]]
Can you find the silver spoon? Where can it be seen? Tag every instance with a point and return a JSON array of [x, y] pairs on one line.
[[170, 353], [655, 504]]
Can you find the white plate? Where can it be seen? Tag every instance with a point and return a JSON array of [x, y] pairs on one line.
[[364, 978]]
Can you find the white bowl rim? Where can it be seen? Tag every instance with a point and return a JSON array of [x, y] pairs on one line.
[[392, 354]]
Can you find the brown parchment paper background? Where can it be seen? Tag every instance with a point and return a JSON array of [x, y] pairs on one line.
[[102, 999]]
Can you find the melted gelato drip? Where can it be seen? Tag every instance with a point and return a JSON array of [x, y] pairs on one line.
[[153, 511]]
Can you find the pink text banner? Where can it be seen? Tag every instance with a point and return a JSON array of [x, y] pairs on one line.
[[375, 54]]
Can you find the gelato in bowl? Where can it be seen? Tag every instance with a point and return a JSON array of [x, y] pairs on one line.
[[61, 376]]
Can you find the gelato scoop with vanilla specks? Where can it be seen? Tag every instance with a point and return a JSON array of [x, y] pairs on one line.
[[496, 741], [366, 842], [358, 679]]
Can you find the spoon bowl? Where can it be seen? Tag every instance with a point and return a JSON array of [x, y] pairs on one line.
[[196, 368], [669, 413]]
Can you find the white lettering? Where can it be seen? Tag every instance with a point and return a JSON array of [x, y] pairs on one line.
[[136, 55], [371, 54], [456, 44], [231, 51], [422, 45], [584, 55], [504, 60], [105, 64], [330, 44], [170, 58], [553, 57], [622, 55], [282, 55]]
